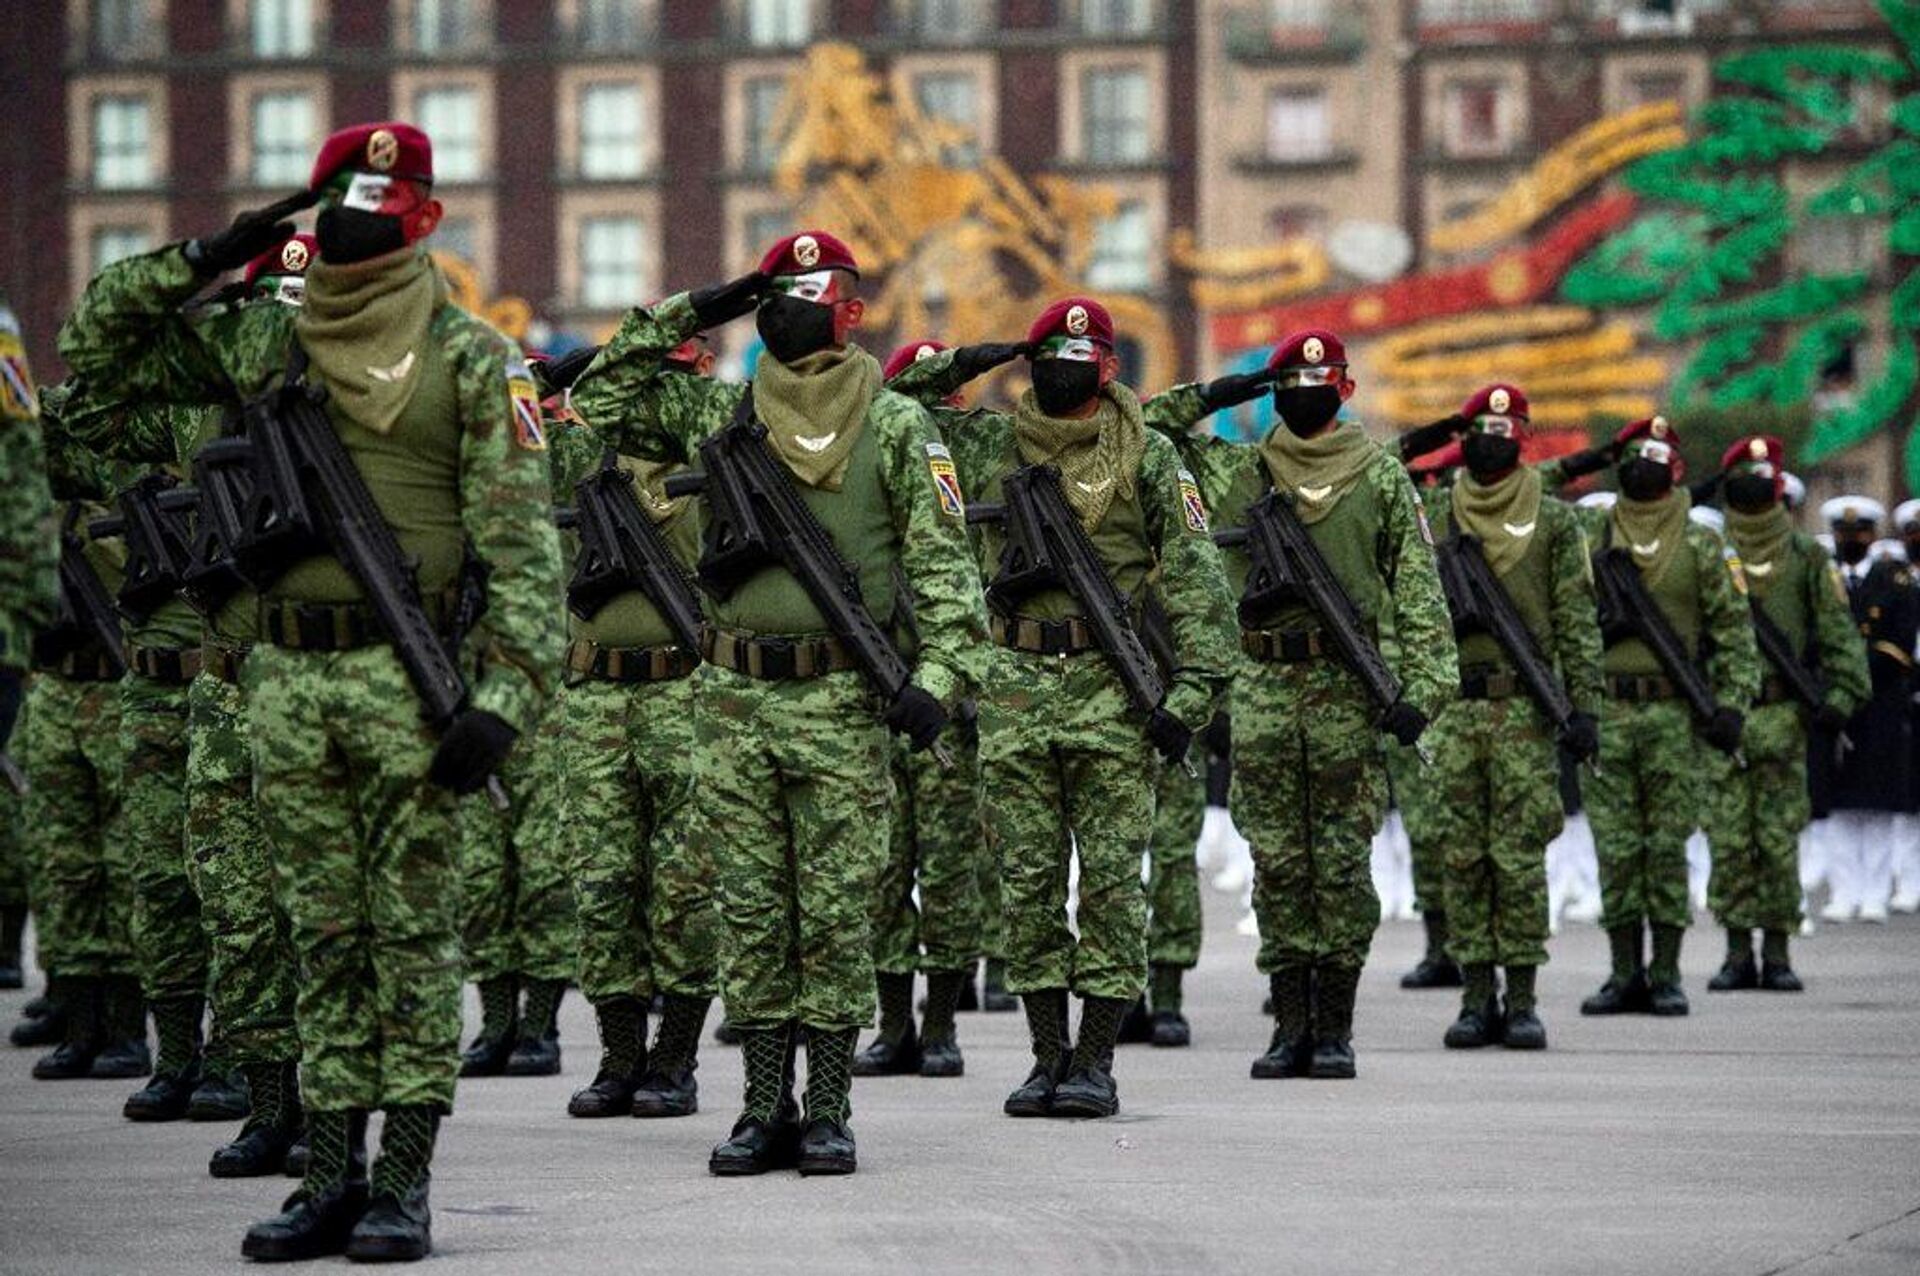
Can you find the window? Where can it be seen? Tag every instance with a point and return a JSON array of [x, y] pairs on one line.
[[778, 23], [282, 28], [610, 131], [283, 141], [948, 20], [1473, 118], [610, 274], [762, 96], [1442, 13], [1299, 15], [1297, 221], [612, 24], [1839, 245], [119, 28], [1656, 86], [459, 237], [113, 243], [120, 142], [1116, 17], [451, 117], [952, 97], [1113, 120], [1120, 251], [440, 26], [1297, 125]]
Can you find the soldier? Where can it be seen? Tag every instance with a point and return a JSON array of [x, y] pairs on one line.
[[1906, 825], [1648, 791], [1874, 781], [1310, 781], [1760, 809], [1495, 791], [790, 758], [355, 793], [1174, 925]]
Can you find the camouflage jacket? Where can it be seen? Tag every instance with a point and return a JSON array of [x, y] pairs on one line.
[[643, 408], [29, 543], [129, 335]]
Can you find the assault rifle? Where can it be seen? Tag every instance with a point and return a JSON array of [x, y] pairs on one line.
[[1289, 568], [1778, 649], [86, 616], [222, 488], [621, 549], [152, 525], [757, 520], [1628, 610]]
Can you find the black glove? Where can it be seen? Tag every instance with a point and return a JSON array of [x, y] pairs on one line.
[[966, 722], [1404, 723], [917, 716], [974, 361], [1218, 737], [1169, 735], [723, 303], [474, 746], [252, 233], [1591, 461], [1723, 729], [560, 373], [12, 693], [1431, 438], [1581, 737], [1232, 391], [1829, 719]]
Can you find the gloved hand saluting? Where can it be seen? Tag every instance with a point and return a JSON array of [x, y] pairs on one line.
[[252, 233], [1240, 387], [916, 715], [975, 361], [474, 746], [723, 303]]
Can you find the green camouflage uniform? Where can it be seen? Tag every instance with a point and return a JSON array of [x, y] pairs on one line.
[[365, 845], [1173, 874], [935, 846], [517, 909], [1495, 775]]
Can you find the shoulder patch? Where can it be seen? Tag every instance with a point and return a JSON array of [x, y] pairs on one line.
[[1420, 515], [1734, 568], [18, 401], [528, 431], [946, 480], [1191, 505]]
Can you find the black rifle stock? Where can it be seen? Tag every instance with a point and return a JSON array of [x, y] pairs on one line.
[[86, 614], [1778, 649], [152, 525], [1628, 610], [222, 489], [1481, 604], [621, 549]]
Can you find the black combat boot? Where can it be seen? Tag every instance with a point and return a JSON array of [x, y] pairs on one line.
[[725, 1033], [1136, 1026], [994, 997], [1479, 1021], [1089, 1090], [43, 1020], [274, 1118], [13, 928], [124, 1020], [397, 1226], [1047, 1031], [1290, 992], [220, 1096], [767, 1135], [668, 1089], [79, 1000], [299, 1155], [499, 1027], [939, 1039], [826, 1144], [969, 990], [1170, 1027], [1335, 989], [1666, 998], [177, 1070], [1523, 1029], [895, 1050], [1625, 992], [1435, 969], [537, 1052], [320, 1216], [623, 1059], [1738, 972], [1776, 971]]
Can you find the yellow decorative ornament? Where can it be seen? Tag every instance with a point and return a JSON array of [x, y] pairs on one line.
[[511, 315]]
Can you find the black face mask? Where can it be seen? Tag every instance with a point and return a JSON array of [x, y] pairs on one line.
[[1645, 480], [1851, 552], [1749, 493], [354, 234], [1489, 455], [1061, 385], [1305, 408], [793, 328]]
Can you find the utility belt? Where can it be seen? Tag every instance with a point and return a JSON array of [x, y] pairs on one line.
[[630, 664], [336, 626], [1482, 683], [223, 663], [1069, 637], [1285, 646], [81, 666], [1641, 688], [174, 666], [776, 659]]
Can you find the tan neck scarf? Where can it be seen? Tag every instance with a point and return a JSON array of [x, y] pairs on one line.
[[1501, 515], [1098, 458], [1320, 470], [1653, 530], [1761, 541], [815, 409], [364, 328]]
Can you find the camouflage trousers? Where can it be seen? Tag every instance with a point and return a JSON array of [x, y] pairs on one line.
[[1754, 818], [1644, 805], [75, 829], [1414, 795], [1173, 875], [936, 845], [791, 807], [251, 970], [1062, 759], [643, 893], [169, 942], [993, 910], [1495, 804], [14, 870], [1309, 792], [363, 851], [516, 904]]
